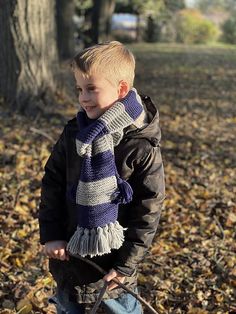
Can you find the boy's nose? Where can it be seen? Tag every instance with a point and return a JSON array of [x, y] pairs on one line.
[[84, 96]]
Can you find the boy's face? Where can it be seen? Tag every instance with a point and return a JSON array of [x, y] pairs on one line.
[[96, 94]]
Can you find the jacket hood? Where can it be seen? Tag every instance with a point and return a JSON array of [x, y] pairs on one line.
[[150, 132]]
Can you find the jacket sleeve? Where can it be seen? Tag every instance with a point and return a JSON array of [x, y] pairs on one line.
[[144, 212], [52, 216]]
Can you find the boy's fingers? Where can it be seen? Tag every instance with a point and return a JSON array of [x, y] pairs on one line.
[[112, 286], [112, 274], [58, 254], [55, 251], [61, 253]]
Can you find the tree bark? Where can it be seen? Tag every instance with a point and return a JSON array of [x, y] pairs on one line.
[[101, 20], [28, 59], [65, 28], [138, 28]]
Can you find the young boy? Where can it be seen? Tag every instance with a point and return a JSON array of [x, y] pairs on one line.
[[103, 185]]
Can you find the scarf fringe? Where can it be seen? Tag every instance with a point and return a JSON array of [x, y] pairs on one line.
[[125, 192], [96, 241]]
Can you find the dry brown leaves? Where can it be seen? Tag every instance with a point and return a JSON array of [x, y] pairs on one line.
[[25, 144], [192, 264], [191, 267]]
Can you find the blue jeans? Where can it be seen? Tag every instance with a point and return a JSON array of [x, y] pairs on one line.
[[124, 304]]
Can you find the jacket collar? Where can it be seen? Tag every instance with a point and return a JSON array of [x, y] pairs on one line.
[[151, 131]]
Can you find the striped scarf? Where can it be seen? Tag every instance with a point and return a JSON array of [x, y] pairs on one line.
[[100, 189]]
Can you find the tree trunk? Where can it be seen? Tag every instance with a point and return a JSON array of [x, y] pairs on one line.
[[28, 59], [101, 20], [138, 28], [65, 28]]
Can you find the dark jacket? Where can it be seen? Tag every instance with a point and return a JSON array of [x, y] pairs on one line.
[[138, 160]]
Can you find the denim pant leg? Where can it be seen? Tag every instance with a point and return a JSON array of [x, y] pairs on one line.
[[124, 304], [64, 306]]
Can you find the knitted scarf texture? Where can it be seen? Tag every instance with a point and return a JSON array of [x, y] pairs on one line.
[[100, 189]]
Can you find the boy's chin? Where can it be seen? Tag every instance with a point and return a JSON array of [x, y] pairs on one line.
[[93, 116]]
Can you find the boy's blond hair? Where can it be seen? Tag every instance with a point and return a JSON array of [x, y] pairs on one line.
[[112, 59]]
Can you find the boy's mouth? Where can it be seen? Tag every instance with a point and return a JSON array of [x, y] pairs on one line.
[[89, 108]]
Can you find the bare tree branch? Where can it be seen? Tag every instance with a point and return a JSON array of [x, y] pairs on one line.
[[101, 270]]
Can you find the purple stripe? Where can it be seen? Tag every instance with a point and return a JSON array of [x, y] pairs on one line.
[[95, 216], [82, 120], [87, 133], [132, 106], [98, 167]]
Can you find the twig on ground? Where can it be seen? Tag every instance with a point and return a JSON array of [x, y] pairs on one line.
[[101, 270], [37, 131], [14, 202], [220, 227], [15, 199]]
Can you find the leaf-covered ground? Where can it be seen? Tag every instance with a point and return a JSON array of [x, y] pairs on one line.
[[191, 267]]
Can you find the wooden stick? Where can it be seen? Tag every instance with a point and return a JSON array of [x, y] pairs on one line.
[[99, 300], [101, 270]]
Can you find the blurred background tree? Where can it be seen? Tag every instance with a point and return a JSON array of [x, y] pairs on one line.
[[224, 12], [29, 55], [83, 23], [215, 5], [160, 25], [193, 28], [229, 30], [101, 20], [142, 10], [37, 35], [153, 17], [65, 10]]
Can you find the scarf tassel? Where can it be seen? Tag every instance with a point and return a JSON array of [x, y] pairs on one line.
[[125, 193], [96, 241]]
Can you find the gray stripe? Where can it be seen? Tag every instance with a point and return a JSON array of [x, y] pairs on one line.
[[116, 118], [100, 145], [117, 137], [96, 192], [82, 148]]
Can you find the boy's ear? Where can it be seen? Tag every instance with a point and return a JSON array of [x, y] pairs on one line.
[[123, 89]]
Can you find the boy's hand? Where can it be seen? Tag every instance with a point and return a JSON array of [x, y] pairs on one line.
[[111, 275], [56, 249]]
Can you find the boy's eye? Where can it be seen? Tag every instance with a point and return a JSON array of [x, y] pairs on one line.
[[91, 88]]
